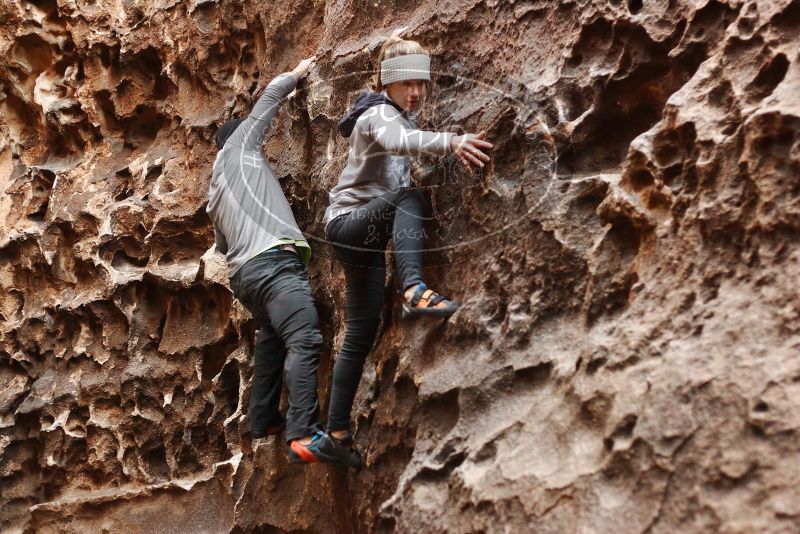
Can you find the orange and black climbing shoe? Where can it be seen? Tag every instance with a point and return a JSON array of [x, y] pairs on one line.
[[424, 302], [324, 448]]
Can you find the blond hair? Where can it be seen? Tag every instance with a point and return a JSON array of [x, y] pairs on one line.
[[393, 47]]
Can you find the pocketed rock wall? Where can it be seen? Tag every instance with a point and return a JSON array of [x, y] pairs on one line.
[[626, 357]]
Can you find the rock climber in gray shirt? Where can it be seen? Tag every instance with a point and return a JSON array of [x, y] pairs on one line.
[[267, 258]]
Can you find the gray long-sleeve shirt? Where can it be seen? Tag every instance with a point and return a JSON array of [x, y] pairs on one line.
[[378, 160], [245, 201]]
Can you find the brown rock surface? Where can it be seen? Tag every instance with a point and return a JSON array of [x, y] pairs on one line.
[[627, 356]]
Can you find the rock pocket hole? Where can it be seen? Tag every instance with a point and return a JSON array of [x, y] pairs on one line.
[[156, 462], [39, 214], [229, 386], [788, 20], [166, 259], [123, 261], [769, 77], [154, 172], [594, 365], [575, 60], [634, 6], [535, 376], [144, 126], [624, 430], [641, 179], [41, 185], [445, 80], [32, 53], [386, 524], [122, 195]]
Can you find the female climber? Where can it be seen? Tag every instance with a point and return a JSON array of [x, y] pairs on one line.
[[373, 204]]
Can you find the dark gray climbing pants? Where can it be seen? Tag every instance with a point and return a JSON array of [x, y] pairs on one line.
[[274, 287], [359, 240]]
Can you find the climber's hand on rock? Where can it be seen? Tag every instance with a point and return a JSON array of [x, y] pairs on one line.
[[469, 148], [397, 34], [298, 72], [302, 68]]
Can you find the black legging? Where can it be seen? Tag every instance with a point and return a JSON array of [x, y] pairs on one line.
[[360, 238]]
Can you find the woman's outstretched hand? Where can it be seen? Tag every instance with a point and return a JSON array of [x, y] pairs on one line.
[[469, 148]]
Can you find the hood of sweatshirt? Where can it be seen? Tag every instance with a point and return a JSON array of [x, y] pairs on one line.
[[365, 100]]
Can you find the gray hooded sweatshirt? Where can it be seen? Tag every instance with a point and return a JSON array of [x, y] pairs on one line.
[[381, 142], [245, 201]]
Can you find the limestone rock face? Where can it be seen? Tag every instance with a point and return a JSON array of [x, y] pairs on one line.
[[627, 357]]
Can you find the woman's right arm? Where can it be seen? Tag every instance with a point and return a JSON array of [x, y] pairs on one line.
[[386, 127]]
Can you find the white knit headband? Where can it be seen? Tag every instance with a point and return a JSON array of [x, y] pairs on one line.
[[408, 67]]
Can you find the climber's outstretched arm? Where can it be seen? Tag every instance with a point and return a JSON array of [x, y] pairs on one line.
[[259, 120]]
